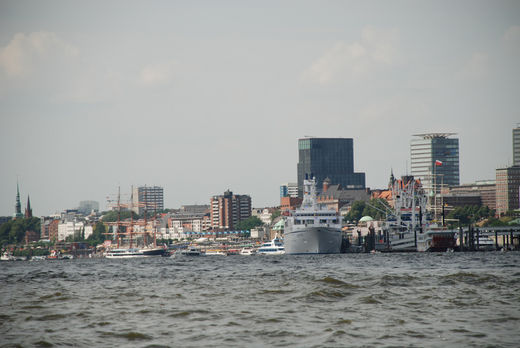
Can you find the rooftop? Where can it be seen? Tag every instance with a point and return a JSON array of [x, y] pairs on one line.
[[434, 135]]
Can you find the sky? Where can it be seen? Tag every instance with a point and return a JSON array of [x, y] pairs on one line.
[[203, 96]]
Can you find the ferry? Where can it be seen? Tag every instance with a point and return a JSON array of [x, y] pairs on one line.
[[274, 247], [124, 253], [312, 229]]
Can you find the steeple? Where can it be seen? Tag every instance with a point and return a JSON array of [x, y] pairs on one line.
[[18, 206], [28, 210], [392, 179]]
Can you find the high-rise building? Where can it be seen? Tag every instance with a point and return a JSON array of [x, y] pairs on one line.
[[507, 183], [228, 210], [149, 198], [86, 207], [435, 160], [516, 146], [331, 158], [289, 190]]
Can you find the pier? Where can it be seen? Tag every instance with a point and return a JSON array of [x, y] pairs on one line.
[[504, 238]]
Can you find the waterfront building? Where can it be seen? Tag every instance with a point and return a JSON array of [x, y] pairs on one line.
[[481, 192], [516, 146], [290, 203], [149, 198], [189, 222], [49, 228], [194, 209], [264, 214], [87, 207], [70, 228], [507, 183], [331, 158], [435, 160], [228, 210], [289, 189], [335, 197]]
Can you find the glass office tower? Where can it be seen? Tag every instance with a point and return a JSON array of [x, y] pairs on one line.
[[331, 158]]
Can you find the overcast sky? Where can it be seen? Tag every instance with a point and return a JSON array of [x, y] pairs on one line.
[[202, 96]]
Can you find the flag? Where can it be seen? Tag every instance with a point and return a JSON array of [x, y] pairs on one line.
[[438, 163]]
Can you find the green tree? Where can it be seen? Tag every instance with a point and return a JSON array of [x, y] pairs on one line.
[[275, 214], [356, 211], [111, 216], [98, 234], [13, 231], [249, 223]]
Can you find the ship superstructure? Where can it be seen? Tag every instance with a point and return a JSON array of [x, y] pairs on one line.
[[312, 229]]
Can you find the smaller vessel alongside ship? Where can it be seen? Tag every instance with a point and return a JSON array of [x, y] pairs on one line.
[[248, 251], [312, 229], [274, 247]]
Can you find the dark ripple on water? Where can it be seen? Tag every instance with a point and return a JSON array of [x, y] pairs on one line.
[[335, 301]]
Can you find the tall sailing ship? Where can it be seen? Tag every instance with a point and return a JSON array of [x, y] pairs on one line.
[[127, 245], [312, 229]]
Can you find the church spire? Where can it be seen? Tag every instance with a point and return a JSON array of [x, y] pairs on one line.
[[28, 210], [392, 179], [18, 206]]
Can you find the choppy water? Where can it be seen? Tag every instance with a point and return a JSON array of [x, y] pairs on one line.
[[382, 300]]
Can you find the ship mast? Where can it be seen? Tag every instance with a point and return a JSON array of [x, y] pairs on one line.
[[131, 215], [118, 215]]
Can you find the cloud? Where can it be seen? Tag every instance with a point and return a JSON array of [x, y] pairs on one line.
[[158, 73], [42, 66], [26, 54], [375, 50]]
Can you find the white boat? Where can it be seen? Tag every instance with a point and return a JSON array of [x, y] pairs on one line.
[[38, 258], [191, 252], [312, 229], [7, 257], [274, 247], [247, 251], [436, 239], [123, 253], [215, 252], [485, 243]]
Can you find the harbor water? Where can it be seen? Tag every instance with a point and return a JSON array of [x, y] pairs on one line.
[[347, 300]]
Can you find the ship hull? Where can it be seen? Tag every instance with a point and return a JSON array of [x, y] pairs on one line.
[[313, 240]]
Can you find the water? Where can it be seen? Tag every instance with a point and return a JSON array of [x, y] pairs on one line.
[[382, 300]]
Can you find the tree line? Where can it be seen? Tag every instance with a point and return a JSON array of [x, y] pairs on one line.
[[13, 231]]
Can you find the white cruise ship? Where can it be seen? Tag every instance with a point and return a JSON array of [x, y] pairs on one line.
[[312, 229]]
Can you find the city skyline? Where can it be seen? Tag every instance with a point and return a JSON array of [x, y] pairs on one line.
[[200, 99]]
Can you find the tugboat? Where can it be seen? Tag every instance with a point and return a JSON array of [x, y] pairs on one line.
[[312, 229]]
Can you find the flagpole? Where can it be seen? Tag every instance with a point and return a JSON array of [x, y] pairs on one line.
[[435, 189]]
